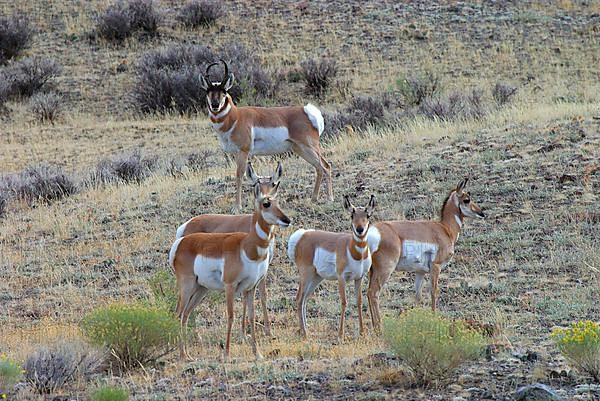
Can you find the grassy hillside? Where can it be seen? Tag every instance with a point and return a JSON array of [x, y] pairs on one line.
[[533, 163]]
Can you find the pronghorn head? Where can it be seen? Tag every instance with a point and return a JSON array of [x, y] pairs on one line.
[[268, 207], [266, 183], [216, 92], [465, 204], [360, 215]]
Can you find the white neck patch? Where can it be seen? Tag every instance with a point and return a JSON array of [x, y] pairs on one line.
[[457, 218], [222, 113], [260, 232]]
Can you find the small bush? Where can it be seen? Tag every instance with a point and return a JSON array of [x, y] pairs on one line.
[[114, 24], [120, 20], [43, 183], [10, 372], [46, 107], [167, 78], [199, 13], [503, 93], [580, 345], [415, 89], [432, 346], [50, 369], [3, 202], [28, 76], [319, 76], [134, 334], [129, 168], [110, 393], [15, 35]]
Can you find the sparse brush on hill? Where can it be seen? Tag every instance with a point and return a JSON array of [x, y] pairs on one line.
[[129, 168], [41, 183], [15, 35], [415, 89], [49, 369], [123, 18], [503, 93], [319, 76], [28, 76], [167, 78], [46, 107], [200, 13]]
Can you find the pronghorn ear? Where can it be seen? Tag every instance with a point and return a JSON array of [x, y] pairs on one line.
[[278, 173], [257, 192], [229, 82], [461, 185], [203, 82], [250, 172], [273, 192], [371, 206], [347, 205]]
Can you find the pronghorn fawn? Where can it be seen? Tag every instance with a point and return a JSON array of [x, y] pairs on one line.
[[231, 262], [418, 246], [227, 223], [248, 131], [324, 255]]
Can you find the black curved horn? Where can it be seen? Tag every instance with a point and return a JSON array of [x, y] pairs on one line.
[[226, 75], [208, 69]]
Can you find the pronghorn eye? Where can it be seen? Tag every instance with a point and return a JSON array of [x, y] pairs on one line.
[[267, 204]]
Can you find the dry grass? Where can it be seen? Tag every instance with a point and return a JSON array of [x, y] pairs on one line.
[[531, 265]]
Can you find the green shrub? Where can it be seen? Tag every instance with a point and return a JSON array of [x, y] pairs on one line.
[[580, 345], [431, 345], [162, 286], [134, 334], [110, 393], [10, 371], [415, 89]]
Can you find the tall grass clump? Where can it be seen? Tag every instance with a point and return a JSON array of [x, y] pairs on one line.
[[15, 36], [431, 345], [50, 369], [110, 393], [580, 345], [319, 76], [135, 335], [200, 13], [10, 372]]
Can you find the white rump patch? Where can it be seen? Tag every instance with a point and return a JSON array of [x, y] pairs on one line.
[[181, 229], [293, 242], [270, 141], [325, 263], [209, 272], [173, 251], [315, 117]]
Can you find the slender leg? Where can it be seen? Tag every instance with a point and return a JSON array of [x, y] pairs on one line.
[[419, 280], [435, 276], [229, 299], [300, 301], [343, 303], [262, 289], [328, 179], [250, 301], [358, 294], [378, 275], [241, 159], [314, 158], [187, 288]]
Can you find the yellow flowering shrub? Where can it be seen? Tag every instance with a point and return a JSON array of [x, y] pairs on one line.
[[134, 334], [431, 345], [580, 345]]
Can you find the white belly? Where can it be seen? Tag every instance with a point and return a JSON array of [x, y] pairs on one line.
[[417, 256], [209, 272], [252, 272], [270, 141], [356, 269], [324, 261]]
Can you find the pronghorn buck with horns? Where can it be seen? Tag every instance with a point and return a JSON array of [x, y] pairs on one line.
[[249, 131], [324, 255], [418, 246], [227, 223], [231, 262]]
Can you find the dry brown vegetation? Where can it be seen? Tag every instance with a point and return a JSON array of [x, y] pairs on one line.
[[533, 161]]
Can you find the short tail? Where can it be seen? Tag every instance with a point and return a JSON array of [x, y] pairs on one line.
[[293, 242], [173, 251], [315, 117]]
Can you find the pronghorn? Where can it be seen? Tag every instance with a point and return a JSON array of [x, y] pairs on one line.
[[324, 255], [418, 246], [248, 131], [230, 262], [226, 223]]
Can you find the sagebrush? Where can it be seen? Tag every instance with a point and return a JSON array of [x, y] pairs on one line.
[[200, 13], [15, 36]]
